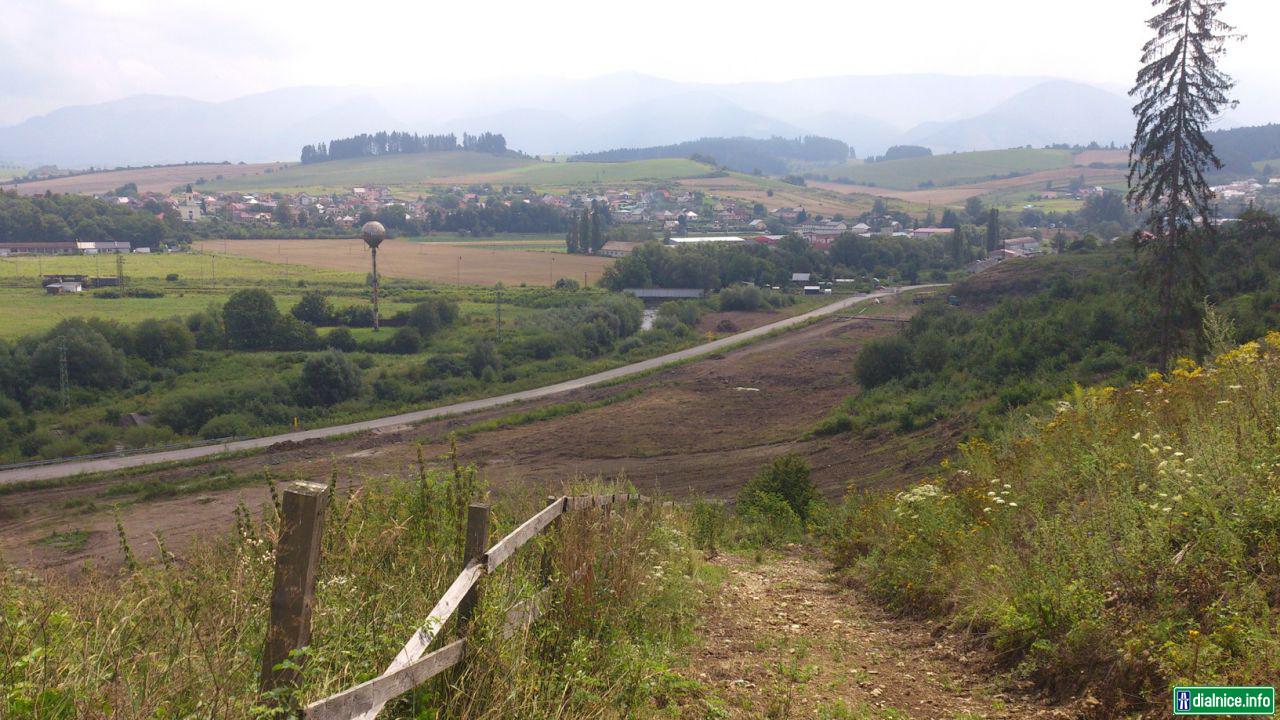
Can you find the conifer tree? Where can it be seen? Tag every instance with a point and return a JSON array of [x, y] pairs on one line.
[[993, 230], [597, 232], [1179, 91], [584, 233]]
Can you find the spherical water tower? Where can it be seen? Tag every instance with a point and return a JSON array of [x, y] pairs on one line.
[[374, 233]]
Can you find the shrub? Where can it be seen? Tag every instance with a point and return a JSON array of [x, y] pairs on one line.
[[206, 328], [445, 366], [687, 312], [744, 298], [330, 378], [341, 339], [786, 477], [228, 425], [171, 277], [405, 341], [251, 320], [882, 360], [431, 315], [355, 316], [707, 526], [483, 355], [293, 334], [314, 307], [161, 341]]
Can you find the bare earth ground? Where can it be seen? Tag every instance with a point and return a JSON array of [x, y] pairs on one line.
[[436, 262], [158, 179], [700, 428], [781, 641]]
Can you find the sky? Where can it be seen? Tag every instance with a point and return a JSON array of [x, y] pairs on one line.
[[55, 53]]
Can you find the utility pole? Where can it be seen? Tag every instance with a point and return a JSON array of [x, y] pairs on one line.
[[497, 294], [64, 380], [459, 269], [120, 269]]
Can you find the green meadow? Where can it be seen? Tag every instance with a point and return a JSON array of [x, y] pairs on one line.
[[953, 169]]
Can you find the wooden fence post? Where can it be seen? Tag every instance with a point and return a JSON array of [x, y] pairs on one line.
[[477, 543], [293, 593], [547, 568]]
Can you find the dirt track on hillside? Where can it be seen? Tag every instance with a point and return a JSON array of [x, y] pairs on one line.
[[700, 428], [780, 640]]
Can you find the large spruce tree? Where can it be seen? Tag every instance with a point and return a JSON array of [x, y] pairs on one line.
[[1179, 90]]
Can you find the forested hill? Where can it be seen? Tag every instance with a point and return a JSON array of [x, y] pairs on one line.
[[399, 143], [742, 154], [1239, 148]]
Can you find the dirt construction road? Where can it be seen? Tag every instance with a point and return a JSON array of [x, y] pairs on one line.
[[68, 469]]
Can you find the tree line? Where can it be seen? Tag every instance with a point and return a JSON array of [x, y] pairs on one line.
[[67, 218], [587, 229], [400, 143], [711, 266]]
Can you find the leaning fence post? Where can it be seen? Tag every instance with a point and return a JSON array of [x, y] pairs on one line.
[[477, 543], [293, 592], [549, 538]]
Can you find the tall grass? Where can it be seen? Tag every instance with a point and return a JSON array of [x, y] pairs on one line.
[[182, 637], [1128, 543]]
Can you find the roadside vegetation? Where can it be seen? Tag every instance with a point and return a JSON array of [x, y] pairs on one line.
[[163, 638]]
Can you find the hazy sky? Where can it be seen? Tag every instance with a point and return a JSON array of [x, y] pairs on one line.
[[64, 52]]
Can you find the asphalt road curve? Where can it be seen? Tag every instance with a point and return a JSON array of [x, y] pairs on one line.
[[79, 467]]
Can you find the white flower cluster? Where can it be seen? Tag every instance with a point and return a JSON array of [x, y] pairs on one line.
[[999, 497]]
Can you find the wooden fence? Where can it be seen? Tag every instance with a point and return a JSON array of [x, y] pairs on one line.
[[293, 596]]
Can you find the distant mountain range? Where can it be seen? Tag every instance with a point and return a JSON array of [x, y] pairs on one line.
[[944, 113]]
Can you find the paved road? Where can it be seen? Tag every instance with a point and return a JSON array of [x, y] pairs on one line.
[[78, 467]]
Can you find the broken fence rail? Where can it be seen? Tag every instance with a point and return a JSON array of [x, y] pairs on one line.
[[293, 598]]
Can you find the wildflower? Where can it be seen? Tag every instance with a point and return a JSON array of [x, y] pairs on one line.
[[1137, 436], [1008, 487], [1165, 509], [991, 493], [999, 501], [1177, 498], [1142, 487], [1013, 504], [986, 509]]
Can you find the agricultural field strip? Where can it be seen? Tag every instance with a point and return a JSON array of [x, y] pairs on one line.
[[69, 469]]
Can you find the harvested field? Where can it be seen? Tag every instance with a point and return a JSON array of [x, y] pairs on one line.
[[154, 179], [697, 429], [459, 263], [825, 199]]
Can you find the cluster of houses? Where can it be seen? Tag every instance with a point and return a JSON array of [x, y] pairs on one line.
[[1246, 191]]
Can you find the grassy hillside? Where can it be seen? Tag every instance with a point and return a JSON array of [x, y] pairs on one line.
[[166, 639], [421, 170], [950, 169], [1125, 544], [337, 175]]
